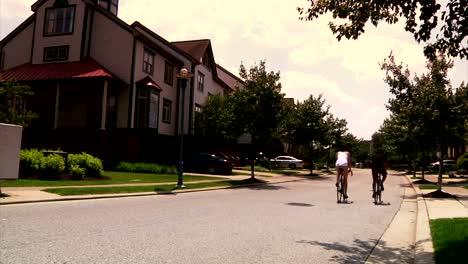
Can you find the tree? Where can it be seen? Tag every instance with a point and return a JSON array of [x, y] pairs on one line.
[[312, 129], [425, 108], [258, 108], [13, 104], [216, 121], [422, 20]]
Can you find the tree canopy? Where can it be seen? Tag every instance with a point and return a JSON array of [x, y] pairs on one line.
[[442, 29], [426, 115], [12, 104]]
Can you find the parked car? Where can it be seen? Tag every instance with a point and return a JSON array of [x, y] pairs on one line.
[[447, 165], [287, 162], [207, 163]]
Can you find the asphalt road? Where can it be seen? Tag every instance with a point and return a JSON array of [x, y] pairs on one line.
[[295, 222]]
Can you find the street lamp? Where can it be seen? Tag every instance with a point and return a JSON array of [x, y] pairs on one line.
[[183, 76]]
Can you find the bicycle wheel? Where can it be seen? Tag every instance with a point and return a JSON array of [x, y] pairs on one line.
[[378, 191], [340, 191]]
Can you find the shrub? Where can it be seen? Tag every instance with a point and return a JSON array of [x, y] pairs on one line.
[[84, 162], [52, 167], [265, 163], [141, 167], [77, 171], [30, 162], [462, 162]]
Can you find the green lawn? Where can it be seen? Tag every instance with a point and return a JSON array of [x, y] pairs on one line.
[[427, 186], [111, 177], [450, 239], [137, 189]]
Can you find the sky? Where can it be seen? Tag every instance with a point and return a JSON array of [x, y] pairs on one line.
[[308, 56]]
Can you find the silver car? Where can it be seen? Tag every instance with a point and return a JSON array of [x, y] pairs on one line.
[[287, 162]]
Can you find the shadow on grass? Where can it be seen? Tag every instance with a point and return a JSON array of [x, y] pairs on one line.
[[360, 250]]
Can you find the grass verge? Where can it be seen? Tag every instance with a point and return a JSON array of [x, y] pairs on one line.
[[450, 239], [139, 189], [427, 186], [109, 177]]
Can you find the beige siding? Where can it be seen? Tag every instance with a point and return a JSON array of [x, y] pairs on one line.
[[168, 92], [73, 40], [112, 46], [210, 86], [18, 50], [115, 57]]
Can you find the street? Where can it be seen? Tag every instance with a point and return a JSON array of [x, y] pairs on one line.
[[292, 222]]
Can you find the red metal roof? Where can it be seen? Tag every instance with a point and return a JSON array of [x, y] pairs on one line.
[[52, 71]]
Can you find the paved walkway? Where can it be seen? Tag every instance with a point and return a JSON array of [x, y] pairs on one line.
[[409, 228]]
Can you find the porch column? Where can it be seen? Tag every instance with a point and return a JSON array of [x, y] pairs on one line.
[[104, 106], [57, 105]]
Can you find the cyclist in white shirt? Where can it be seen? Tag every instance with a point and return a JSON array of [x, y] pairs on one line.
[[343, 164]]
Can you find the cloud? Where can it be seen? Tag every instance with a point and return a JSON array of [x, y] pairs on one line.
[[359, 56], [300, 85]]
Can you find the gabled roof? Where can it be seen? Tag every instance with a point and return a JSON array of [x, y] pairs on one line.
[[196, 48], [228, 77], [147, 81], [86, 68], [137, 25]]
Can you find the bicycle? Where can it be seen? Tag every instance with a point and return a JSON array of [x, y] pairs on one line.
[[340, 190], [378, 189]]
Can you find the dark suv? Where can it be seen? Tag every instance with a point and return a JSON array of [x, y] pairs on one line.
[[207, 163]]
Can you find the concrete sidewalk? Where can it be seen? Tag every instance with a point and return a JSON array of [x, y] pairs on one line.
[[410, 229]]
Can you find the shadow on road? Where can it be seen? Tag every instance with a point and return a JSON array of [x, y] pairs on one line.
[[359, 251], [267, 187], [300, 204]]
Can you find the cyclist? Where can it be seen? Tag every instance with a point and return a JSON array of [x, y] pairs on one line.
[[343, 165], [379, 164]]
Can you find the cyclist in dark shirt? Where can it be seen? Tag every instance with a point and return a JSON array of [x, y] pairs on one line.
[[379, 164]]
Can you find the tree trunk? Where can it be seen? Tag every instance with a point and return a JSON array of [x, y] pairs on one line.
[[439, 179], [252, 168]]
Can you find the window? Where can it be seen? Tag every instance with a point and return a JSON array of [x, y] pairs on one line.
[[167, 108], [206, 61], [112, 111], [114, 7], [197, 128], [148, 61], [110, 5], [153, 111], [57, 53], [169, 74], [59, 20], [147, 109], [201, 81]]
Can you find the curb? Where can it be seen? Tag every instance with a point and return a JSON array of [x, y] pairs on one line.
[[424, 249], [109, 196]]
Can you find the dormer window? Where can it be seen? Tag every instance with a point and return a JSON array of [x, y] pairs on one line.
[[59, 20]]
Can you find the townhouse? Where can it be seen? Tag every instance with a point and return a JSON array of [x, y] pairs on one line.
[[104, 86]]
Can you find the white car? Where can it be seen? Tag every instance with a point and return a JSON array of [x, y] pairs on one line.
[[287, 162]]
